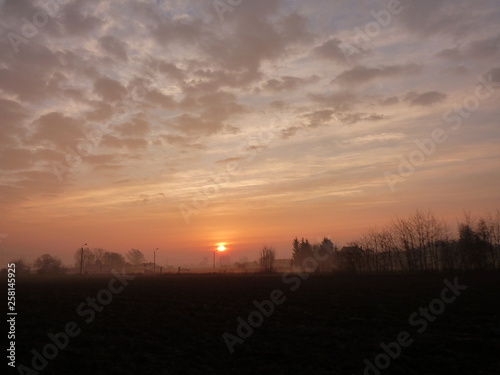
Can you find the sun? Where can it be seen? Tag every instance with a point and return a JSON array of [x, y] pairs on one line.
[[221, 248]]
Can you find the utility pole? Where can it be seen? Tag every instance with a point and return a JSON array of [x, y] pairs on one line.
[[81, 260], [154, 261]]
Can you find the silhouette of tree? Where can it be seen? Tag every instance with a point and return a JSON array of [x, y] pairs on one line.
[[476, 251], [113, 260], [300, 251], [22, 267], [267, 258], [351, 259], [46, 264], [326, 247], [135, 257], [99, 255]]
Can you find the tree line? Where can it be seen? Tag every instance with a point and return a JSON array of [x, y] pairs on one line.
[[95, 260], [418, 243]]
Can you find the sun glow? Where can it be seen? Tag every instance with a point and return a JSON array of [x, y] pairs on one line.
[[221, 248]]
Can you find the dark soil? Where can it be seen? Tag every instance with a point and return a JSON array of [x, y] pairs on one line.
[[174, 324]]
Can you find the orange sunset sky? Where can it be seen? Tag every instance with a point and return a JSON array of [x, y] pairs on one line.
[[181, 124]]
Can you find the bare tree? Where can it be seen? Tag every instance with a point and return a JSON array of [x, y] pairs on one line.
[[135, 257], [113, 260], [22, 267], [47, 264], [267, 258]]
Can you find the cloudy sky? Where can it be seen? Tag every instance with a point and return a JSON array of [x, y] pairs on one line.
[[180, 124]]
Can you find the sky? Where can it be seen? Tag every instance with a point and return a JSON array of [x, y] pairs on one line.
[[179, 125]]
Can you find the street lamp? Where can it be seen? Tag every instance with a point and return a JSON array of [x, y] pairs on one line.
[[81, 259], [219, 248], [154, 261]]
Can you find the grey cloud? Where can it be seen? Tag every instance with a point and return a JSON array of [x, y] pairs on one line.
[[168, 31], [137, 127], [129, 143], [319, 118], [361, 74], [100, 158], [12, 115], [331, 50], [256, 36], [457, 18], [57, 129], [49, 155], [229, 160], [495, 75], [196, 126], [15, 158], [426, 99], [39, 181], [289, 132], [181, 141], [109, 89], [100, 111], [389, 101], [165, 101], [34, 76], [114, 46], [287, 83], [340, 101], [353, 118], [477, 49], [214, 109], [76, 20]]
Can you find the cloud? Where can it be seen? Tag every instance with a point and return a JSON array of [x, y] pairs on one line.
[[195, 125], [56, 129], [229, 160], [372, 138], [361, 74], [109, 89], [15, 158], [389, 101], [426, 99], [287, 83], [181, 141], [76, 20], [100, 158], [12, 114], [114, 46], [123, 143], [318, 118], [339, 100], [495, 75], [137, 127], [456, 18], [480, 49], [331, 49]]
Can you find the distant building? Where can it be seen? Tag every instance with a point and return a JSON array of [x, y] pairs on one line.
[[225, 260], [282, 264]]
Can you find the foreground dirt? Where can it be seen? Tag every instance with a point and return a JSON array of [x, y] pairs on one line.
[[174, 324]]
